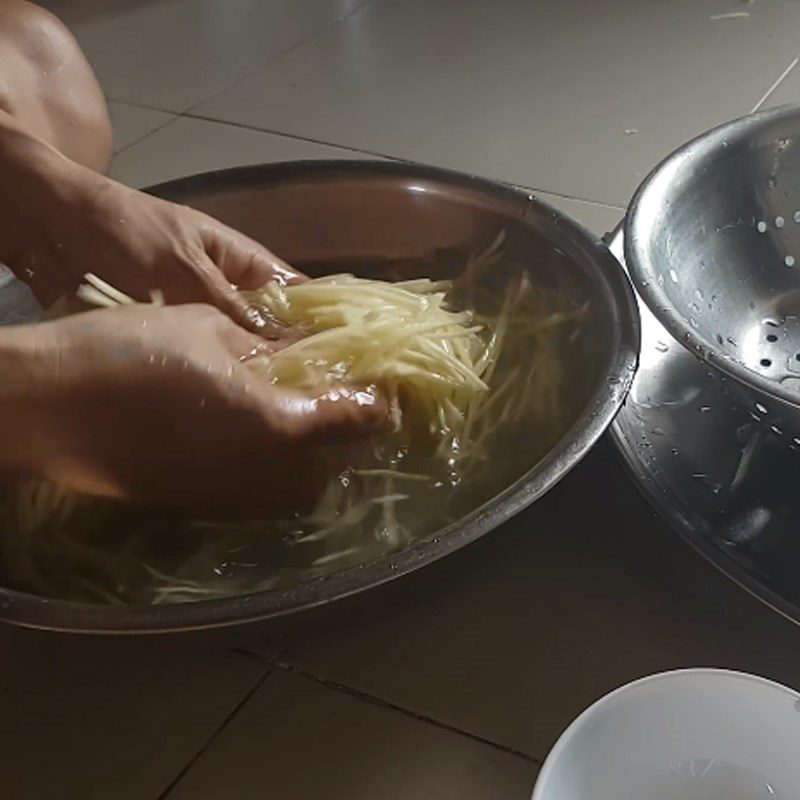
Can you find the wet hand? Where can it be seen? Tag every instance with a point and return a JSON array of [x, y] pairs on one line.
[[168, 407], [85, 222]]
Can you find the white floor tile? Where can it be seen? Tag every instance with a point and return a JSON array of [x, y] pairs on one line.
[[187, 146], [171, 55], [599, 219], [132, 123], [787, 91], [91, 718], [511, 638], [297, 739], [575, 97]]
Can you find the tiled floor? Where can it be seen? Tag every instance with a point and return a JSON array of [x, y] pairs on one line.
[[456, 681]]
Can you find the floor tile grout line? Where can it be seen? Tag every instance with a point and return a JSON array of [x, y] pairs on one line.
[[377, 701], [377, 154], [775, 85], [215, 733], [158, 128], [247, 72], [144, 106]]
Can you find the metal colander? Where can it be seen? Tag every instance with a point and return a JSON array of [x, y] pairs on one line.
[[712, 242]]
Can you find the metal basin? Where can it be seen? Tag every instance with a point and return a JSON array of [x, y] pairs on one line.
[[712, 243], [375, 217]]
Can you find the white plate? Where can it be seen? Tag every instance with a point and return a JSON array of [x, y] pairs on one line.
[[698, 734]]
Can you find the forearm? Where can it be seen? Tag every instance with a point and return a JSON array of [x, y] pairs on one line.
[[38, 183], [22, 397], [54, 132], [48, 87]]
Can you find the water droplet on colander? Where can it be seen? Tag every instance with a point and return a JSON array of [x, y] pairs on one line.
[[696, 308], [698, 294], [789, 261], [693, 322], [779, 222], [674, 451], [673, 276], [762, 226]]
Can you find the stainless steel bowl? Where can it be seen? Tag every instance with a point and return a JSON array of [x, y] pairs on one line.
[[375, 216], [712, 242]]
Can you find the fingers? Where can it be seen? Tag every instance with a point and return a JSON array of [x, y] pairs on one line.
[[336, 416], [222, 295], [242, 345], [242, 261]]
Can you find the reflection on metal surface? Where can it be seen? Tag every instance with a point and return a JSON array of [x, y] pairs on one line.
[[720, 469], [367, 217], [712, 240]]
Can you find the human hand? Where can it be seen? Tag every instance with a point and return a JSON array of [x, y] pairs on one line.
[[166, 407], [78, 221]]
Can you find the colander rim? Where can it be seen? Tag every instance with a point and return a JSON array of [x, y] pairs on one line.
[[643, 275]]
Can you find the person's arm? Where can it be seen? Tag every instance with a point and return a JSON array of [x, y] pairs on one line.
[[60, 217], [59, 220], [162, 407], [20, 364]]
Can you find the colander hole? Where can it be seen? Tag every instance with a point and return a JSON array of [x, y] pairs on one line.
[[673, 276], [779, 222], [771, 337], [720, 340], [797, 357], [797, 216], [765, 362], [761, 409], [771, 322], [762, 226], [789, 261]]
